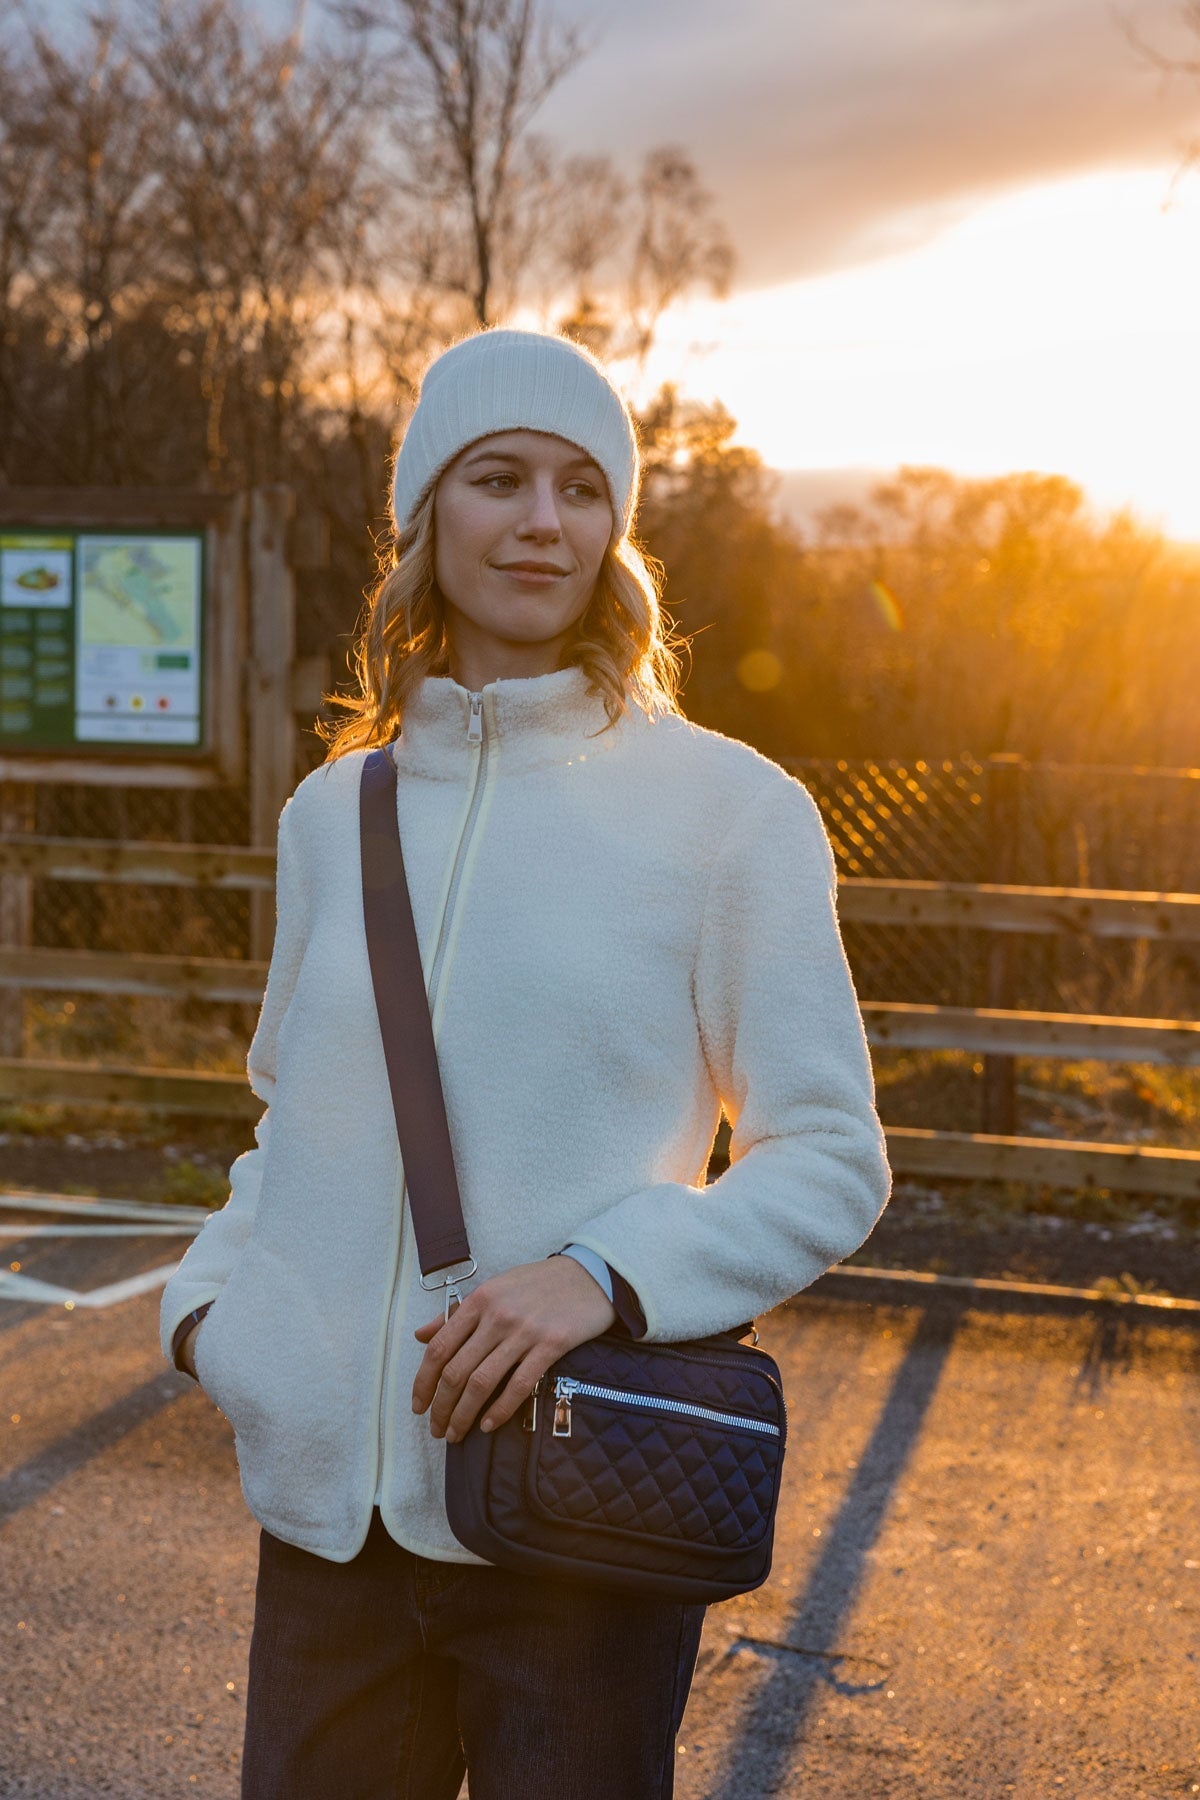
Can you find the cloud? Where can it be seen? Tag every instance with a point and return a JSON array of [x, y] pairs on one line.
[[835, 131]]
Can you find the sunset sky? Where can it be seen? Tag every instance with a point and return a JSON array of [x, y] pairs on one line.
[[964, 229], [962, 233]]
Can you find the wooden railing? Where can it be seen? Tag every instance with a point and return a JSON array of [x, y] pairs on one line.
[[1073, 912], [991, 1031]]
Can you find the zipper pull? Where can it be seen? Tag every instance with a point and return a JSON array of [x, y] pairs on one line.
[[564, 1387], [529, 1421], [475, 722]]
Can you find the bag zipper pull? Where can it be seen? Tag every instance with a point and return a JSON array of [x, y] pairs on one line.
[[529, 1420], [564, 1387], [475, 721]]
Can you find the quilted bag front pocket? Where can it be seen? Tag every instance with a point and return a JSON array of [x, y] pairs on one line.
[[673, 1471], [655, 1465]]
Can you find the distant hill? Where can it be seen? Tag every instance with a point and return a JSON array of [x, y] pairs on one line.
[[802, 493]]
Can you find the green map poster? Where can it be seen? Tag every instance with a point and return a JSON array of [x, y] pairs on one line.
[[101, 639]]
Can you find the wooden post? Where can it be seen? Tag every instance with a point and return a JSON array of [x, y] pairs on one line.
[[1005, 778], [271, 722], [16, 911]]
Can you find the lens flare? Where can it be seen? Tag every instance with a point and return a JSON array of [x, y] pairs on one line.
[[888, 605], [760, 671]]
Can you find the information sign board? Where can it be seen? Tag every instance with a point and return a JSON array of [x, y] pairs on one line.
[[102, 636]]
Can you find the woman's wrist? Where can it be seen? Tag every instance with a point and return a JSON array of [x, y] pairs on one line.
[[630, 1319], [184, 1359], [181, 1341]]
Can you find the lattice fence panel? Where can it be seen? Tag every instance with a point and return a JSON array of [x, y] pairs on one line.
[[120, 916], [917, 821], [1078, 826]]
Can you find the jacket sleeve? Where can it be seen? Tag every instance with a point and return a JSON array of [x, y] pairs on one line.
[[784, 1042], [213, 1252]]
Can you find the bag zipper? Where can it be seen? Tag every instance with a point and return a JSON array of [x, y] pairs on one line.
[[566, 1387], [682, 1353], [476, 734]]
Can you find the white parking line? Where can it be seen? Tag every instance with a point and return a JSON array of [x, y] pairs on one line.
[[121, 1218], [39, 1231], [72, 1204], [25, 1287]]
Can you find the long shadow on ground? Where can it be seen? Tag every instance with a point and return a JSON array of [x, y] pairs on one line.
[[808, 1658]]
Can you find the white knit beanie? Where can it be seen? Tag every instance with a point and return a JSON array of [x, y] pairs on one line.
[[513, 381]]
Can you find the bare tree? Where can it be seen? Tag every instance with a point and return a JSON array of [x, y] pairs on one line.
[[27, 161], [1170, 65], [268, 201], [680, 243], [477, 73], [226, 251], [588, 228], [94, 148], [496, 215]]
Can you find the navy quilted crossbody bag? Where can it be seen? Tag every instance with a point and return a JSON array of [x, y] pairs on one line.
[[649, 1467]]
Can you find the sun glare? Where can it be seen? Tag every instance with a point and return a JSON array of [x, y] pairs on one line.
[[1057, 328]]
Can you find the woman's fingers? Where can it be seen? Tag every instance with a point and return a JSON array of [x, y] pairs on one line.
[[482, 1384], [517, 1390], [442, 1338], [462, 1378]]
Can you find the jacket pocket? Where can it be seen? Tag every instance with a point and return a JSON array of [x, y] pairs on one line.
[[212, 1362], [231, 1347]]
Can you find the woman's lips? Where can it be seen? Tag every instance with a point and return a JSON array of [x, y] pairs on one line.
[[533, 577]]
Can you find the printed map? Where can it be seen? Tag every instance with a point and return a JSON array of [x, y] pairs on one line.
[[138, 593]]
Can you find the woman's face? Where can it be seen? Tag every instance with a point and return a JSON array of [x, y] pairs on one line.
[[521, 522]]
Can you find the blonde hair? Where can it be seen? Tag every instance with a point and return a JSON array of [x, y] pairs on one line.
[[623, 642]]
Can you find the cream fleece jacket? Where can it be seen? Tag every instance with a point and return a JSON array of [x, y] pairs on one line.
[[622, 930]]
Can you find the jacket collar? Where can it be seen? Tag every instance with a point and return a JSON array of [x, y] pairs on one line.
[[532, 721]]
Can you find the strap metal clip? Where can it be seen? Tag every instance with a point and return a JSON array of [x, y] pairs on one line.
[[451, 1283]]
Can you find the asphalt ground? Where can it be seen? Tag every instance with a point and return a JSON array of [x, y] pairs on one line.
[[987, 1575]]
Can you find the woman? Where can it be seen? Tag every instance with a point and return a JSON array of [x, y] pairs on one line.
[[626, 923]]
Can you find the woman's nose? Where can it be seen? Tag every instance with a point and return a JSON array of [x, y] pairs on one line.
[[541, 516]]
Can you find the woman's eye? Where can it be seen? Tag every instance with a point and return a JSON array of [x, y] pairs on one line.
[[504, 481]]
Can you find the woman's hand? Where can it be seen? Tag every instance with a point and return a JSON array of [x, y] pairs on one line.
[[515, 1325]]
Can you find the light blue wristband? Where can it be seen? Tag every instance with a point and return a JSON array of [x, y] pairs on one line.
[[595, 1265]]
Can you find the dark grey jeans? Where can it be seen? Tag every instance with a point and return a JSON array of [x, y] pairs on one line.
[[384, 1677]]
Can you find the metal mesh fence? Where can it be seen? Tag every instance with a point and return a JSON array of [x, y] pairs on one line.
[[1075, 826], [1106, 827], [120, 916], [914, 821], [122, 1029], [902, 821]]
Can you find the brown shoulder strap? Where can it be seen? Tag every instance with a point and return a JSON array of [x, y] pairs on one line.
[[405, 1025]]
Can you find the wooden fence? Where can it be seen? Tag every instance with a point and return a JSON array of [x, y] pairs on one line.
[[995, 1032]]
